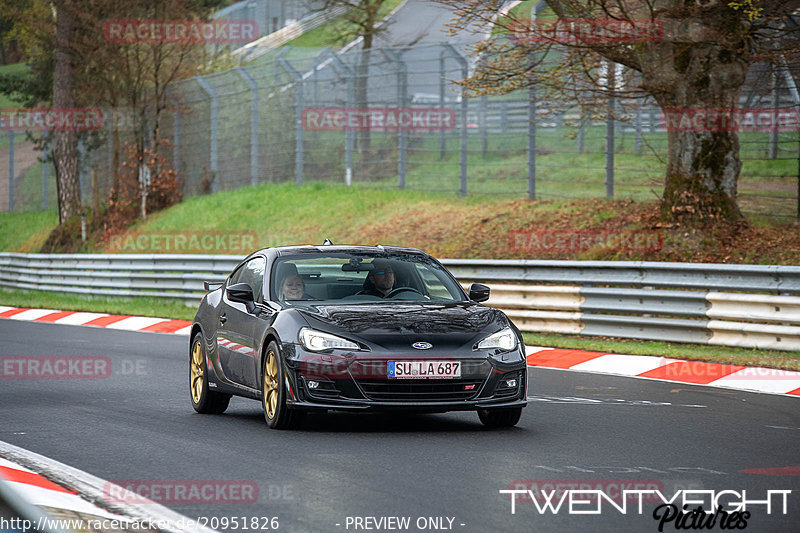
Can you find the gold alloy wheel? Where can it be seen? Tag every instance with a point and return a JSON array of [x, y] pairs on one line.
[[271, 385], [196, 373]]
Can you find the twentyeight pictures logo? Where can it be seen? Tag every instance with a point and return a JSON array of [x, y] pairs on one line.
[[180, 31], [684, 509]]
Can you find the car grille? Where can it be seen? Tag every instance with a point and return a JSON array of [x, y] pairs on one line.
[[432, 390]]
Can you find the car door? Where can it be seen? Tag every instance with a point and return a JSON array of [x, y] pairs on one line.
[[236, 328]]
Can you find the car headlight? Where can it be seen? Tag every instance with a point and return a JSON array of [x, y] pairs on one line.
[[316, 341], [505, 339]]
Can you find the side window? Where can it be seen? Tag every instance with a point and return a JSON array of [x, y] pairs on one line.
[[236, 276], [253, 275]]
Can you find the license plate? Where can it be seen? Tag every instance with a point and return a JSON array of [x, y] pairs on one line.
[[423, 369]]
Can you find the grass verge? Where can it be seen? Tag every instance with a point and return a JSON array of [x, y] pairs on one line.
[[25, 231], [695, 352], [330, 33]]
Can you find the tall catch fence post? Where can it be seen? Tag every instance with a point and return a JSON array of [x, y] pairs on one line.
[[253, 123], [214, 133], [442, 80], [448, 49], [610, 123], [483, 126], [298, 80], [45, 176], [532, 142], [10, 170], [349, 134], [402, 100]]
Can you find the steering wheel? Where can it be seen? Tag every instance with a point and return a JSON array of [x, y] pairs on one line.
[[398, 290]]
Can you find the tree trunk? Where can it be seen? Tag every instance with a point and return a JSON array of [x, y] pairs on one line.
[[702, 175], [65, 152], [697, 84]]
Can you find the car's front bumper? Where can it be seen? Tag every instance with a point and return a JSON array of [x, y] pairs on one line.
[[417, 407], [362, 384]]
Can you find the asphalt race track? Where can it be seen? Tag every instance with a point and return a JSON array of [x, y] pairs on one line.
[[138, 424]]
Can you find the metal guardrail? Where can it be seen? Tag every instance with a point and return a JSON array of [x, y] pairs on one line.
[[736, 305], [282, 36]]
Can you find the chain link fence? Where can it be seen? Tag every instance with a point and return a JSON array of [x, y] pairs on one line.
[[395, 118]]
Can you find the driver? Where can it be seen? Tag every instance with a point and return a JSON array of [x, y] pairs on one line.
[[380, 280]]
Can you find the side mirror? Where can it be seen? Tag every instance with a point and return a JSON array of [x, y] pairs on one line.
[[478, 292], [242, 293]]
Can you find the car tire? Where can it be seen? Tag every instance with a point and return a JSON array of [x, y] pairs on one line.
[[204, 400], [273, 391], [500, 418]]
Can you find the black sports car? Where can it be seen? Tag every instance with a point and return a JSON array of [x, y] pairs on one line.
[[354, 328]]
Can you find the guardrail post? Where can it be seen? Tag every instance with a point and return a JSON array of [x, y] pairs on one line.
[[10, 170], [611, 73], [215, 185], [253, 123]]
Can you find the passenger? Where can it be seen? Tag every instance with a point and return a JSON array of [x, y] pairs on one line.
[[291, 286], [380, 280]]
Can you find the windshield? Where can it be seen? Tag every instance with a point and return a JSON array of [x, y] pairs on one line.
[[361, 278]]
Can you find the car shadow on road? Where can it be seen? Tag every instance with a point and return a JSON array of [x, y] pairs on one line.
[[388, 422]]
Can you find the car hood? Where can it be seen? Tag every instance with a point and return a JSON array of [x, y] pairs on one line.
[[391, 326]]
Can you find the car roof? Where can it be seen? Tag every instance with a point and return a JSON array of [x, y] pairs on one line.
[[343, 248]]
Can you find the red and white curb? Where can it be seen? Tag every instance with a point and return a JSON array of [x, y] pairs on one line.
[[43, 493], [101, 320], [72, 494], [752, 379], [746, 378]]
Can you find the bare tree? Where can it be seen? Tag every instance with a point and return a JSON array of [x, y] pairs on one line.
[[698, 59], [361, 20]]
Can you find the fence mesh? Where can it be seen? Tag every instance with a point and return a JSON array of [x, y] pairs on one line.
[[275, 120]]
